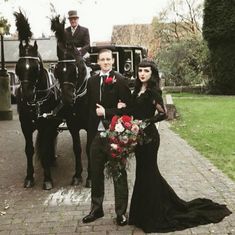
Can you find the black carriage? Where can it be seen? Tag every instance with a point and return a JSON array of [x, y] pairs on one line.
[[126, 59]]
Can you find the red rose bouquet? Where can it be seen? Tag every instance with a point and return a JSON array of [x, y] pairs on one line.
[[123, 135]]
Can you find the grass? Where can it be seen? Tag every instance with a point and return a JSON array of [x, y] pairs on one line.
[[208, 124]]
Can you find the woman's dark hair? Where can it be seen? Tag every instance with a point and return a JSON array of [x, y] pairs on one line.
[[154, 81]]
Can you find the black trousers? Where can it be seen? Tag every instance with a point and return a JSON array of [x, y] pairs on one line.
[[99, 153]]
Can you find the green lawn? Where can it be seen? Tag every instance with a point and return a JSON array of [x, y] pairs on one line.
[[208, 124]]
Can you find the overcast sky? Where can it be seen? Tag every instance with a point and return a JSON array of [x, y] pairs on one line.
[[97, 15]]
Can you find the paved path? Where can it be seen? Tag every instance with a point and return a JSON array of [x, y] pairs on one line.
[[59, 211]]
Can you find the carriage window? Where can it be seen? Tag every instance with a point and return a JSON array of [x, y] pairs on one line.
[[137, 58]]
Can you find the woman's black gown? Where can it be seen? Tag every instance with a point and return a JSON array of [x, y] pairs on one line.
[[155, 207]]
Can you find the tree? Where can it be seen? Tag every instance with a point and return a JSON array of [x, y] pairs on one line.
[[183, 55], [184, 63], [219, 32], [4, 23], [134, 34], [181, 19]]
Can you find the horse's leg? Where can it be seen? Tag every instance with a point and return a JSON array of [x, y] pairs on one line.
[[27, 130], [42, 147], [77, 149], [47, 182], [83, 120], [82, 110], [46, 141]]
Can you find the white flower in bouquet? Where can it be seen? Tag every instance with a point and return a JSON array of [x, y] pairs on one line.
[[119, 128], [114, 146], [135, 128], [124, 139]]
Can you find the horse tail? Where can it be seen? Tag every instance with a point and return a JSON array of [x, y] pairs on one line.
[[57, 27], [23, 27]]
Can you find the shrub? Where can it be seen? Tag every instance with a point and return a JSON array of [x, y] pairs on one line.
[[185, 62]]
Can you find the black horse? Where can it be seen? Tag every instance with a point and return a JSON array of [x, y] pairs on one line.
[[72, 74], [37, 101]]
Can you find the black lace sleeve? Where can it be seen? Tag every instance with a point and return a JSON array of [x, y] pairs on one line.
[[161, 112]]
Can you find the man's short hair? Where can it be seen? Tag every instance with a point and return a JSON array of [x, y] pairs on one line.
[[104, 50]]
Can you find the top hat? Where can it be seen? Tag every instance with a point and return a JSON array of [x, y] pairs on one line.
[[72, 14]]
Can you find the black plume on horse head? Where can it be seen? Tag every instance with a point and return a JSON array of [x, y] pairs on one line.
[[23, 27], [57, 27]]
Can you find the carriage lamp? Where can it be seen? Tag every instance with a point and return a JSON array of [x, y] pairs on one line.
[[128, 72], [127, 66], [3, 71]]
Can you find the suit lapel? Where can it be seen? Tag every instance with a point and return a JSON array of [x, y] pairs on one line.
[[76, 31], [97, 88], [69, 30]]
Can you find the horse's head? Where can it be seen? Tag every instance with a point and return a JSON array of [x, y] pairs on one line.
[[29, 64], [28, 69], [70, 69], [67, 74]]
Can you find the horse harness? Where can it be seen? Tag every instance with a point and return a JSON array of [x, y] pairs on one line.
[[52, 84]]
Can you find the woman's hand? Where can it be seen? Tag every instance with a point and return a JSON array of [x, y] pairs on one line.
[[121, 105]]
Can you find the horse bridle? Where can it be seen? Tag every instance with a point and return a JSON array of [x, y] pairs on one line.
[[65, 62], [27, 65], [37, 103], [78, 92], [24, 81]]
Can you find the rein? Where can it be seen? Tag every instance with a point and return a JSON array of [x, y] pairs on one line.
[[48, 89], [84, 91], [38, 103]]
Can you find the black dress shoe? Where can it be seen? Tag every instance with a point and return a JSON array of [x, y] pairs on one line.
[[88, 183], [121, 220], [92, 217]]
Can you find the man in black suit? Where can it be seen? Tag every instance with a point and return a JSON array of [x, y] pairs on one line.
[[77, 35], [103, 97]]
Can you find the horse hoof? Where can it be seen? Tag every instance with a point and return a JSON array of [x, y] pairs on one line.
[[76, 181], [88, 183], [28, 183], [47, 185]]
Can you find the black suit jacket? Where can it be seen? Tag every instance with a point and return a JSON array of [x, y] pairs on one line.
[[80, 38], [111, 95]]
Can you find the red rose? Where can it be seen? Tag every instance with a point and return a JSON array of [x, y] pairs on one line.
[[108, 80], [113, 139], [128, 125], [113, 122], [113, 155], [119, 149], [126, 118]]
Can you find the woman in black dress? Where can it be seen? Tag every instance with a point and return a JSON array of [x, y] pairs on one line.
[[155, 207]]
